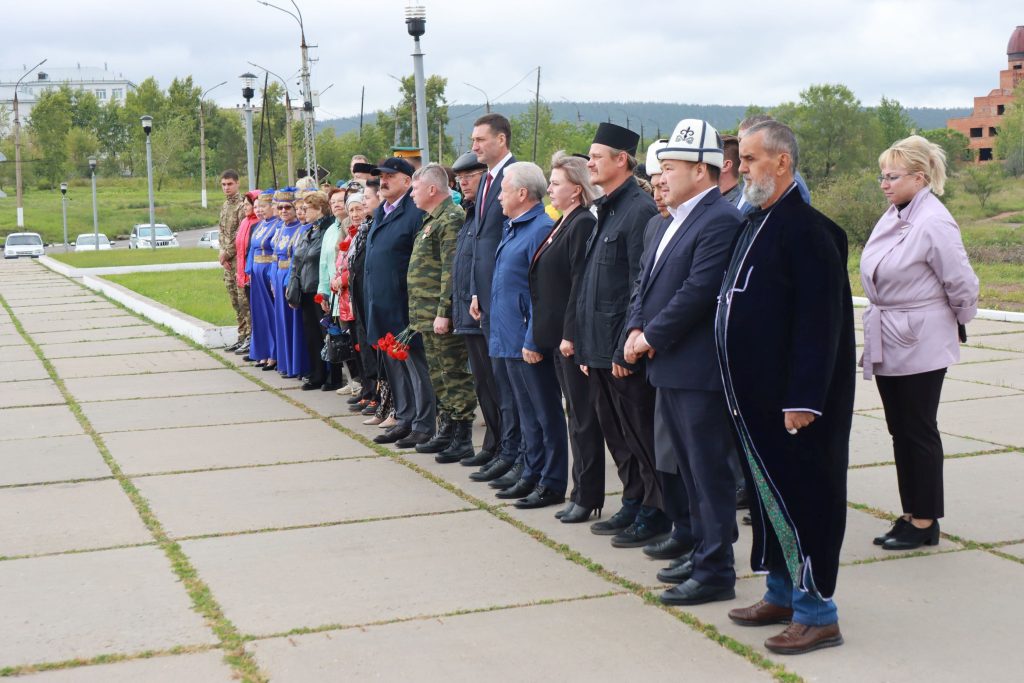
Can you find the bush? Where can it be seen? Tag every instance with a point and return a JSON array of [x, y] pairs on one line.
[[854, 201]]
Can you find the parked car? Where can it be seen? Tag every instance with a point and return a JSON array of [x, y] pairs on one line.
[[140, 237], [23, 244], [210, 240], [87, 242]]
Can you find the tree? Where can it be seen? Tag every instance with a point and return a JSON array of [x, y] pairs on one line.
[[171, 142], [854, 201], [551, 135], [954, 143], [982, 181], [1010, 143], [50, 123], [895, 122], [80, 145], [402, 114]]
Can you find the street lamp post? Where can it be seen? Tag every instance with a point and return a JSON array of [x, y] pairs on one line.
[[416, 24], [64, 212], [147, 126], [95, 213], [248, 91], [202, 141], [17, 148], [487, 100]]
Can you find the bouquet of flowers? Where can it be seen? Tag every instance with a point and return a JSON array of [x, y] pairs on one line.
[[396, 346]]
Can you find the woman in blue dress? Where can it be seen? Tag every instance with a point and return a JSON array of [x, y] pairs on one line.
[[284, 315], [259, 262]]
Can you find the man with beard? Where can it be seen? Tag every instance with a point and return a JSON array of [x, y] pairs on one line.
[[784, 334]]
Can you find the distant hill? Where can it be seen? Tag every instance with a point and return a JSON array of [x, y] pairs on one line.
[[653, 116]]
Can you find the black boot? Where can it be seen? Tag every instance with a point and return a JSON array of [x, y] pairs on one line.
[[461, 445], [442, 436]]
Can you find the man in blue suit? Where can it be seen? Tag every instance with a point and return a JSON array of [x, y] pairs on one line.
[[672, 323]]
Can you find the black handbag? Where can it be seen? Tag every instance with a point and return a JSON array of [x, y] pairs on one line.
[[338, 344], [293, 291]]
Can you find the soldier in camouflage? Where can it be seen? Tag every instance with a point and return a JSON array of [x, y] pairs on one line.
[[231, 214], [430, 313]]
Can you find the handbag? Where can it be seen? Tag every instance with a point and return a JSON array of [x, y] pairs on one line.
[[293, 291], [338, 345]]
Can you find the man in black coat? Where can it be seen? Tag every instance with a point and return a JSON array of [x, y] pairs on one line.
[[784, 334], [672, 322]]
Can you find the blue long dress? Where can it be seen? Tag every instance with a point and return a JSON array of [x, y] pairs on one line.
[[299, 356], [262, 344], [285, 317]]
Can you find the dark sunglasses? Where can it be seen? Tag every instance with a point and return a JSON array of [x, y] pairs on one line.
[[285, 207]]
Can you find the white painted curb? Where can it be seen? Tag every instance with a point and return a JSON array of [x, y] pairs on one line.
[[70, 271], [983, 313]]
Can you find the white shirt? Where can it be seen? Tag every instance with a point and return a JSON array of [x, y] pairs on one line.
[[679, 215]]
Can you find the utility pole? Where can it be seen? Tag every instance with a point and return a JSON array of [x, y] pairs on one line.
[[17, 148], [536, 116], [288, 120], [202, 142], [362, 105]]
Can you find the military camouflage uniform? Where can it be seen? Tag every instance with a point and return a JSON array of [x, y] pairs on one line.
[[231, 215], [430, 296]]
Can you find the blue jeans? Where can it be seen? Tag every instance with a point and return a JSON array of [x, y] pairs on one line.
[[808, 609]]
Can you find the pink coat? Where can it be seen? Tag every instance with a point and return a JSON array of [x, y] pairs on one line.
[[915, 273]]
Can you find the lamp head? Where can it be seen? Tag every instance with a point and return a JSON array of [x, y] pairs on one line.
[[416, 19], [92, 164], [147, 123], [63, 188], [248, 85]]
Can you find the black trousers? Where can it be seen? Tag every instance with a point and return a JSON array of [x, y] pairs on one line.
[[625, 409], [911, 404], [311, 314], [585, 436], [486, 389]]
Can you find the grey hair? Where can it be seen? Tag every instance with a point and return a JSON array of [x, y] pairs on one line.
[[575, 170], [752, 121], [432, 174], [778, 139], [529, 176]]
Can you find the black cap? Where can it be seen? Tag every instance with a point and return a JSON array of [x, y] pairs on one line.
[[616, 137], [362, 167], [467, 162], [394, 165]]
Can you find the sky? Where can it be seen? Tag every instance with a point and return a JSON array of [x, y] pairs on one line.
[[935, 53]]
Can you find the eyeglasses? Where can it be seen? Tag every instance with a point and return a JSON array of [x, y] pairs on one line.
[[891, 177], [285, 207], [460, 179]]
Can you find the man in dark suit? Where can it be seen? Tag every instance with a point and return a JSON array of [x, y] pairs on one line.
[[672, 322], [388, 247]]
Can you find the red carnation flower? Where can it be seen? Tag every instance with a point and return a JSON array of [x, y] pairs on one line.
[[319, 298]]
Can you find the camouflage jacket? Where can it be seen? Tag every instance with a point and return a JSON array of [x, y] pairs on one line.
[[231, 215], [430, 265]]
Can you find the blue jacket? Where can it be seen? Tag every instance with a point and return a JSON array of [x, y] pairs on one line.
[[388, 247], [511, 316]]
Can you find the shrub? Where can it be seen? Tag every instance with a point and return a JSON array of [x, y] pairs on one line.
[[854, 201]]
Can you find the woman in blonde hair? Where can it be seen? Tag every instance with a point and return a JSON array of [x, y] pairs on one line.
[[921, 287]]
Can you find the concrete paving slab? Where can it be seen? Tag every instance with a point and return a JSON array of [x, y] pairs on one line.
[[10, 339], [481, 643], [88, 604], [18, 370], [291, 495], [974, 354], [978, 327], [939, 599], [870, 442], [70, 298], [30, 393], [188, 411], [867, 397], [58, 458], [1009, 342], [62, 307], [982, 495], [29, 423], [1017, 550], [327, 403], [20, 352], [57, 323], [259, 443], [102, 366], [106, 311], [114, 347], [1006, 373], [270, 377], [993, 419], [360, 573], [200, 666], [98, 334], [187, 383], [56, 518]]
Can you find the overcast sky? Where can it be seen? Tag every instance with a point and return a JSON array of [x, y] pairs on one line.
[[938, 53]]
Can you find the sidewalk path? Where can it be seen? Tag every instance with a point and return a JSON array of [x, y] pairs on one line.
[[167, 514]]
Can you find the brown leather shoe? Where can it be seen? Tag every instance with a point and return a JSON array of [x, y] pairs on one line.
[[762, 613], [800, 638]]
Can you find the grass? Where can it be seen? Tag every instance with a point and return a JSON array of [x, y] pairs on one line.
[[198, 293], [134, 257], [121, 203]]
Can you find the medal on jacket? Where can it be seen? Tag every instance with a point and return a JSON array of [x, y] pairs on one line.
[[426, 230]]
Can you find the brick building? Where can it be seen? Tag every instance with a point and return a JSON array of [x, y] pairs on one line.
[[982, 126]]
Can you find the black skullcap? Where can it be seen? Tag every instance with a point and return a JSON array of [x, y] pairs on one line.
[[616, 137]]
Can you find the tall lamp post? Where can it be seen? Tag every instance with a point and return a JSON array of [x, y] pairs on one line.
[[64, 212], [147, 126], [289, 145], [487, 100], [95, 213], [248, 92], [202, 141], [416, 24], [17, 147]]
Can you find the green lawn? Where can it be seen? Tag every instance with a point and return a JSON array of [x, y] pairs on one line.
[[121, 203], [199, 293], [134, 257]]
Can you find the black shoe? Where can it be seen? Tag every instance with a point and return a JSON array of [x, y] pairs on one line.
[[481, 458], [580, 514], [510, 478], [268, 367], [681, 560], [669, 549], [243, 348], [677, 574], [540, 497], [696, 593], [614, 524], [330, 387], [567, 509], [441, 438], [896, 527], [392, 435], [910, 537], [412, 439], [742, 498], [310, 386], [247, 359], [747, 520], [636, 535], [493, 471], [520, 489], [461, 446]]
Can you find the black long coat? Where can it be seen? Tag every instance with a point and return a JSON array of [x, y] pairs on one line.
[[388, 247], [784, 333], [486, 233]]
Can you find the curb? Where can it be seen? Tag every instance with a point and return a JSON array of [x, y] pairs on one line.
[[70, 271]]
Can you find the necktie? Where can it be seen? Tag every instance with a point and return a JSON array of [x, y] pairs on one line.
[[483, 197]]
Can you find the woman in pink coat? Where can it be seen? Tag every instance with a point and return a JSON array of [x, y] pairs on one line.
[[920, 286]]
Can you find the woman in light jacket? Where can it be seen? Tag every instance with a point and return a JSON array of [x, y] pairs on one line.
[[920, 286]]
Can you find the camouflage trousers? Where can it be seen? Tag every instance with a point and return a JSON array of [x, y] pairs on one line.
[[239, 301], [448, 363]]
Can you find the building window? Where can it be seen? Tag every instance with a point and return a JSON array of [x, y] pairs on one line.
[[976, 132], [101, 94], [1000, 109], [117, 94], [993, 131], [985, 154]]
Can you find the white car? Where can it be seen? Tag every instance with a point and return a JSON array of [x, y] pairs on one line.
[[210, 240], [140, 237], [87, 242], [23, 244]]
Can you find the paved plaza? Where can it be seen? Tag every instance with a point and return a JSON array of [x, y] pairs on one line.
[[170, 514]]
